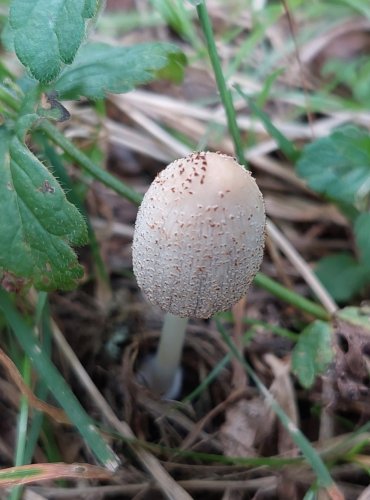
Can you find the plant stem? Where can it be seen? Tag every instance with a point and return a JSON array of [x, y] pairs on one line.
[[225, 93], [291, 297], [89, 166], [22, 428], [173, 334]]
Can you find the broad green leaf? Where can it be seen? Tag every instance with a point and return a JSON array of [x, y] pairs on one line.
[[312, 353], [99, 68], [38, 224], [362, 235], [342, 276], [338, 166], [48, 33]]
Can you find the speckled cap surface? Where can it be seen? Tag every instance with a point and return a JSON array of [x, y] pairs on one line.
[[199, 235]]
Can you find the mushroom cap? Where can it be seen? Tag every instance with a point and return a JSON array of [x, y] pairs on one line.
[[199, 235]]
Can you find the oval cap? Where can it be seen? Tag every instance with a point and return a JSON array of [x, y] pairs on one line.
[[199, 235]]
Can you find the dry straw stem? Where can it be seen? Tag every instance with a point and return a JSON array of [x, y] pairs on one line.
[[123, 135], [164, 107]]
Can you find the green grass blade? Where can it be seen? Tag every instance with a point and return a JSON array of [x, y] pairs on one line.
[[57, 385], [42, 317], [286, 146], [22, 428], [212, 375], [225, 93]]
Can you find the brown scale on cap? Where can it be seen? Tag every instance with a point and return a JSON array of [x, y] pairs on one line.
[[197, 255]]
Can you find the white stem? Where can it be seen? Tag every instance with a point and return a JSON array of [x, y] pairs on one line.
[[160, 372], [170, 345]]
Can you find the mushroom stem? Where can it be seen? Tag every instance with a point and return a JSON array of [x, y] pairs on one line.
[[162, 372], [170, 346]]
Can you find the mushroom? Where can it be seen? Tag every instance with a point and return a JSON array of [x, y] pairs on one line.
[[198, 243]]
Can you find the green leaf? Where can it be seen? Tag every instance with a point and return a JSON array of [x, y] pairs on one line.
[[338, 166], [99, 68], [342, 276], [362, 235], [312, 353], [48, 33], [38, 224]]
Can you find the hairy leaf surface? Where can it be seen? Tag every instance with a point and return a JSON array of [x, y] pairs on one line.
[[38, 224], [338, 166]]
